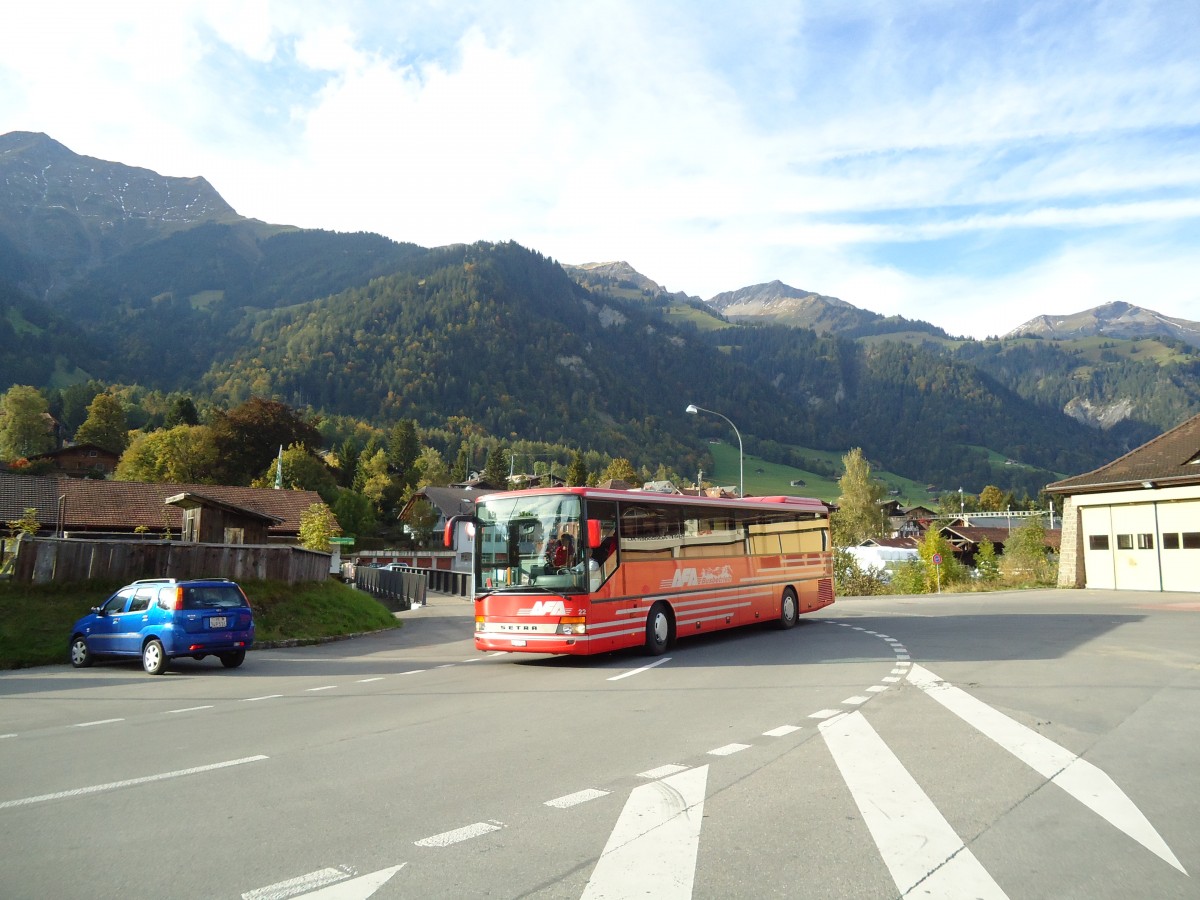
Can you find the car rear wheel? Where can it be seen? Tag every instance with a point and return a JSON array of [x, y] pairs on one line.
[[234, 659], [81, 656], [154, 658]]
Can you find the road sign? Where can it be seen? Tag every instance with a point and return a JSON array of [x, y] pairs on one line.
[[341, 540], [937, 559]]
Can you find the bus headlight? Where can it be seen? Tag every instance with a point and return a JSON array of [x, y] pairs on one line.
[[572, 625]]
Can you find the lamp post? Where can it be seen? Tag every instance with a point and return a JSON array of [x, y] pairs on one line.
[[693, 409]]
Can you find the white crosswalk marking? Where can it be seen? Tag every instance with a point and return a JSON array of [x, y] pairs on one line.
[[916, 842], [1079, 778], [652, 850]]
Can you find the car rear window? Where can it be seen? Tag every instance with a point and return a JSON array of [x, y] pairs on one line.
[[218, 596]]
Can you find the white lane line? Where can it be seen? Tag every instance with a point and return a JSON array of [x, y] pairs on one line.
[[781, 731], [825, 714], [328, 687], [97, 722], [188, 709], [890, 679], [413, 672], [302, 884], [576, 798], [856, 700], [256, 699], [729, 750], [663, 771], [876, 688], [639, 671], [473, 659], [652, 850], [1085, 782], [3, 736], [114, 785], [358, 889], [369, 680], [920, 849], [445, 665], [446, 838]]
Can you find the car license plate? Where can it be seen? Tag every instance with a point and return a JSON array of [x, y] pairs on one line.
[[218, 621]]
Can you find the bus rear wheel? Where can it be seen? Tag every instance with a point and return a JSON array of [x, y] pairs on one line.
[[659, 629], [789, 609]]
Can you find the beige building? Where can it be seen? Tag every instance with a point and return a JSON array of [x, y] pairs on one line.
[[1134, 524]]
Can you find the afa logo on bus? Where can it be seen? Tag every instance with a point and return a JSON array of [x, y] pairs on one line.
[[689, 577], [545, 608]]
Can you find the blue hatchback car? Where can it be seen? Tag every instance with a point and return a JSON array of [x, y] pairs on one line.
[[158, 619]]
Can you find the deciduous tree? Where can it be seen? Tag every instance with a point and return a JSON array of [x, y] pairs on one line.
[[24, 427], [317, 525], [859, 514], [105, 425]]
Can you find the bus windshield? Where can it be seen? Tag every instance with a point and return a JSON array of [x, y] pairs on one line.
[[530, 541]]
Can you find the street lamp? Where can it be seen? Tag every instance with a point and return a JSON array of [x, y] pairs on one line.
[[693, 409]]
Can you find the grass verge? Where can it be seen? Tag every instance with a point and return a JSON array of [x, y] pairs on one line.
[[35, 619]]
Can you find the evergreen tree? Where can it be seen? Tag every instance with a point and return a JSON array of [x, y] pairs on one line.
[[24, 428], [347, 459], [105, 424], [403, 449], [496, 471], [182, 412], [461, 465], [859, 515], [577, 472]]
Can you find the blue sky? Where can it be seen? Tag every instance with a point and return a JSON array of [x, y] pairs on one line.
[[973, 164]]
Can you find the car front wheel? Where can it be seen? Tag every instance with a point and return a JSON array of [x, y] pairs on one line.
[[154, 658], [81, 656]]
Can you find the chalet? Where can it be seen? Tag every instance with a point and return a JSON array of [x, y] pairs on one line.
[[1134, 524], [80, 461]]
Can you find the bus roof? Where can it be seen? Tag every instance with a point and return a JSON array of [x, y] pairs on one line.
[[794, 504]]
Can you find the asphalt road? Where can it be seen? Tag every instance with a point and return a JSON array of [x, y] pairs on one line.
[[1025, 744]]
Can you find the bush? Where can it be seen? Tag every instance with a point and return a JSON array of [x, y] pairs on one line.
[[851, 580]]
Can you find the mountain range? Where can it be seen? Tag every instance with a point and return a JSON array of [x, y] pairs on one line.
[[119, 274]]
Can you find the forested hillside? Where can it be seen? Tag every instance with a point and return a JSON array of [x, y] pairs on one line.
[[114, 277]]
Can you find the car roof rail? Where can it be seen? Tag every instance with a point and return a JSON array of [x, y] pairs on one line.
[[153, 581]]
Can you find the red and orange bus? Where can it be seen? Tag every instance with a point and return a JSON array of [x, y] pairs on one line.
[[587, 570]]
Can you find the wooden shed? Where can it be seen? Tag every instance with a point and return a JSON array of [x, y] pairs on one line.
[[207, 520]]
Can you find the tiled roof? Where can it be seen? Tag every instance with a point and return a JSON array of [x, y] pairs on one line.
[[21, 492], [97, 505], [1172, 458]]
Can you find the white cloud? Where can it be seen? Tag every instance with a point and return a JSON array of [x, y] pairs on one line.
[[711, 146]]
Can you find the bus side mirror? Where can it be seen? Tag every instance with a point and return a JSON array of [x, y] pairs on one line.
[[593, 533]]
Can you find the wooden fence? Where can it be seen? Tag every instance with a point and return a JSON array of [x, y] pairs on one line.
[[41, 560]]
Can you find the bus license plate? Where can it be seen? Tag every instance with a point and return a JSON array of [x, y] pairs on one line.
[[518, 643], [218, 621]]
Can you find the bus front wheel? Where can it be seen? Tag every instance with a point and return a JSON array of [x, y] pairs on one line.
[[658, 629], [789, 609]]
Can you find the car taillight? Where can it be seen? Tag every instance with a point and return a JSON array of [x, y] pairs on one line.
[[178, 598]]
